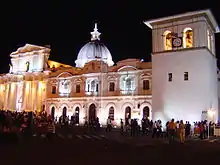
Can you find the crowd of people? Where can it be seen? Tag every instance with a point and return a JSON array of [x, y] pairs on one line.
[[16, 126], [174, 129], [23, 125]]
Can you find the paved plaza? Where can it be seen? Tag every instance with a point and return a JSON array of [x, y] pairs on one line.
[[80, 147]]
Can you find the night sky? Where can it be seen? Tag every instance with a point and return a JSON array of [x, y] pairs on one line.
[[66, 25]]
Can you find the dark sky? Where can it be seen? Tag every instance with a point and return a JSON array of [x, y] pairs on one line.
[[66, 25]]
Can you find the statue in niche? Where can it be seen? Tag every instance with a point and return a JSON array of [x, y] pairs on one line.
[[27, 66]]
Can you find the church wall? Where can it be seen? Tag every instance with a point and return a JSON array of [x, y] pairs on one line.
[[85, 98], [102, 107], [181, 99], [34, 93], [103, 81]]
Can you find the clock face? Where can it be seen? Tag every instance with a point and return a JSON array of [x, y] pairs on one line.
[[177, 42]]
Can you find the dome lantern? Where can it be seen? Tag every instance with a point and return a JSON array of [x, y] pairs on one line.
[[95, 34], [94, 50]]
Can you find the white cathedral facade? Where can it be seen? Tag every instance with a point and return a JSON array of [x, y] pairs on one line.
[[181, 82]]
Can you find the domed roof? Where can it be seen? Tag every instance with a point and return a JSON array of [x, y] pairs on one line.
[[94, 50]]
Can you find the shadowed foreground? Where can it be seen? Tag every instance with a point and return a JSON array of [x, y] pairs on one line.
[[106, 152]]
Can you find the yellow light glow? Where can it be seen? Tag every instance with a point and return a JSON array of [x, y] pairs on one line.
[[2, 88], [187, 38], [167, 40], [27, 87], [211, 112], [13, 86], [57, 64]]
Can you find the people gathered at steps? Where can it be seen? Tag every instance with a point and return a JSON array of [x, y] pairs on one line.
[[174, 129], [23, 125]]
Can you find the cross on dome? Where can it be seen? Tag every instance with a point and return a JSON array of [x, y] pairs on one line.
[[95, 34]]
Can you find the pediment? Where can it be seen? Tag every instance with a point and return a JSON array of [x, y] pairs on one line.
[[54, 81], [111, 77], [127, 68], [78, 80], [29, 48], [145, 74], [65, 74]]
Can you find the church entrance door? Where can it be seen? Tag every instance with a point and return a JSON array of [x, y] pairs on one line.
[[52, 113], [92, 112], [64, 111], [127, 115], [77, 115], [146, 112]]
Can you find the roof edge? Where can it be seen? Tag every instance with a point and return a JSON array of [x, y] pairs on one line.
[[208, 12]]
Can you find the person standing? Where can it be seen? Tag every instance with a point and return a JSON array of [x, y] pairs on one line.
[[108, 129], [171, 130], [182, 132], [122, 126]]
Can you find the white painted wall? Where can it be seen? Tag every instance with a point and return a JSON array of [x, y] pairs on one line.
[[181, 99], [36, 63]]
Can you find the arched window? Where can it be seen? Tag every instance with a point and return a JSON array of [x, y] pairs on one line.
[[188, 38], [167, 40]]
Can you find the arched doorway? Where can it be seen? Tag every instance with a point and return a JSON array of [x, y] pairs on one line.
[[64, 111], [92, 112], [77, 115], [111, 113], [146, 112], [127, 115], [52, 112]]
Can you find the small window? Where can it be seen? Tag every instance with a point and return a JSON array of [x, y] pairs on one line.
[[111, 87], [54, 89], [78, 88], [146, 84], [186, 76], [170, 76]]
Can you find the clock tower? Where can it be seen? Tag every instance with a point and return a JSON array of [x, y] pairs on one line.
[[184, 67]]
